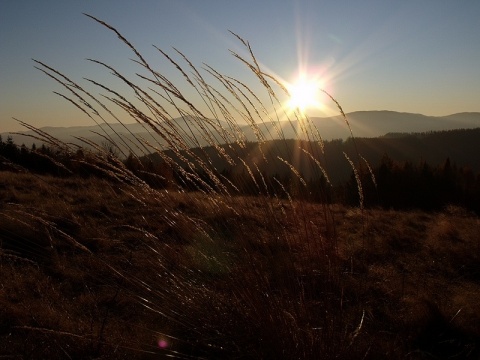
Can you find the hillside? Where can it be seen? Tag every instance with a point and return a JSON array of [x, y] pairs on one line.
[[460, 146], [94, 269]]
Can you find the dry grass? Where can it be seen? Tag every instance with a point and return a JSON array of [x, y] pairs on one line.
[[201, 273], [238, 291]]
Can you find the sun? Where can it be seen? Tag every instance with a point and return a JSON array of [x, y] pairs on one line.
[[304, 94]]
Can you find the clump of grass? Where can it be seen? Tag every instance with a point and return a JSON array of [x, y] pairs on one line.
[[224, 290], [199, 280]]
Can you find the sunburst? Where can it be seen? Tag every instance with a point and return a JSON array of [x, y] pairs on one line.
[[304, 93]]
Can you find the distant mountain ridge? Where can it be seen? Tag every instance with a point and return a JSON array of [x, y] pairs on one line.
[[364, 124], [381, 122]]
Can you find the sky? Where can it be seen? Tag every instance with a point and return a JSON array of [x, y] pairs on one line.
[[420, 56]]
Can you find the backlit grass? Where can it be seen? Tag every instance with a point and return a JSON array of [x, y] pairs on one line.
[[112, 264]]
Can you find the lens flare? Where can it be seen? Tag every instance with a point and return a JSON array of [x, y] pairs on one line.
[[162, 343]]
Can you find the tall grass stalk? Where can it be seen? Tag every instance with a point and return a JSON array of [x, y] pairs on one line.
[[215, 288]]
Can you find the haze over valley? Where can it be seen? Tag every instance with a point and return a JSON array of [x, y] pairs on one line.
[[364, 124]]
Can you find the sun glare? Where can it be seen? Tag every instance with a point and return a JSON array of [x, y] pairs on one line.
[[304, 94]]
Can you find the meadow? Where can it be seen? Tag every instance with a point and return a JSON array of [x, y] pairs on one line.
[[91, 269], [108, 256]]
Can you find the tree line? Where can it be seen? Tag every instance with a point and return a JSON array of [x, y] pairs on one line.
[[404, 185], [389, 183]]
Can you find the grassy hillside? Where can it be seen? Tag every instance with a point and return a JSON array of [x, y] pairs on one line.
[[94, 269]]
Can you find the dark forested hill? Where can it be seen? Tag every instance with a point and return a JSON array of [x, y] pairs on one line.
[[462, 147]]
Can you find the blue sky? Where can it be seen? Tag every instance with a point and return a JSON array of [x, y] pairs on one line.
[[420, 56]]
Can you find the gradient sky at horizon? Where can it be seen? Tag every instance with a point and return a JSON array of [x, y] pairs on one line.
[[410, 56]]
